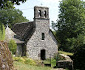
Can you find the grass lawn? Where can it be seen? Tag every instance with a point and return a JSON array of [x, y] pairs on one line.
[[66, 53], [53, 62], [22, 66]]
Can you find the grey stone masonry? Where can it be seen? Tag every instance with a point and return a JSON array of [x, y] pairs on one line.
[[41, 44]]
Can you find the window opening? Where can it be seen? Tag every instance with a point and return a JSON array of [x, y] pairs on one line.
[[43, 36], [39, 13], [45, 13]]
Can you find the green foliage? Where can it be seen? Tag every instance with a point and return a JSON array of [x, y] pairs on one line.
[[79, 58], [11, 16], [54, 26], [59, 57], [74, 43], [52, 61], [30, 62], [66, 53], [19, 59], [25, 60], [71, 24], [7, 5], [12, 46], [4, 3], [2, 32], [22, 66]]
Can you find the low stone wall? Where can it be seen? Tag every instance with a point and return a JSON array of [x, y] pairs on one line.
[[6, 62], [67, 63]]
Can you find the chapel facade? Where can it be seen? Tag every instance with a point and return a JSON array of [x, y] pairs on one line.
[[35, 39], [42, 44]]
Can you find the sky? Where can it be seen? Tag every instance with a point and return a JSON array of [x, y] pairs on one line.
[[28, 8]]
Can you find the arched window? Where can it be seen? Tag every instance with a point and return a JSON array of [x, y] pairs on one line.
[[39, 13]]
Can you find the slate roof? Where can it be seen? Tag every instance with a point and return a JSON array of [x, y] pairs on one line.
[[53, 36], [24, 30], [10, 35]]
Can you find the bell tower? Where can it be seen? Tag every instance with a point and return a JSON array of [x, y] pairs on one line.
[[41, 12], [41, 45], [41, 20]]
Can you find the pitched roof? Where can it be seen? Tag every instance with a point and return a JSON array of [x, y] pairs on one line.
[[9, 34], [23, 30], [53, 36]]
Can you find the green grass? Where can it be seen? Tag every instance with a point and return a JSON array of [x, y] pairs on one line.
[[66, 53], [53, 62], [22, 66]]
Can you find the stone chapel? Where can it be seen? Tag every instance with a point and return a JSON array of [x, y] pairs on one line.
[[35, 39]]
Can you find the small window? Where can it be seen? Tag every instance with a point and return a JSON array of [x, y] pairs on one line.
[[43, 36]]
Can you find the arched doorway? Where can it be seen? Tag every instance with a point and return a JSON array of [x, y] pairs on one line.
[[43, 54]]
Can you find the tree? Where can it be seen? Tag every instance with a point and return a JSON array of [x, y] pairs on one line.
[[2, 32], [79, 58], [4, 3], [11, 16], [54, 25], [12, 46], [71, 23]]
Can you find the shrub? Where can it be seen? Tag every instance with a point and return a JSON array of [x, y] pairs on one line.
[[12, 46], [19, 59], [29, 61], [25, 60], [2, 32]]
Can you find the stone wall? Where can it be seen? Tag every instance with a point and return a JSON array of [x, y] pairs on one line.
[[36, 44], [67, 63], [6, 62], [19, 50]]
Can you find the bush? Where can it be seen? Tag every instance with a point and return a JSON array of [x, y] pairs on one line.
[[29, 61], [12, 46], [25, 60], [19, 59], [2, 32]]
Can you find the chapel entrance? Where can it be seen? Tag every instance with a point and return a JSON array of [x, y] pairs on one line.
[[43, 54]]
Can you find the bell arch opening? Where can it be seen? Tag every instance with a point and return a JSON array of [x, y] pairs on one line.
[[39, 12]]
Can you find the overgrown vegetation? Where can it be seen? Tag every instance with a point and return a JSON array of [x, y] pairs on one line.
[[22, 66], [25, 60], [70, 31], [53, 60], [2, 32], [66, 53], [12, 46], [71, 25]]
